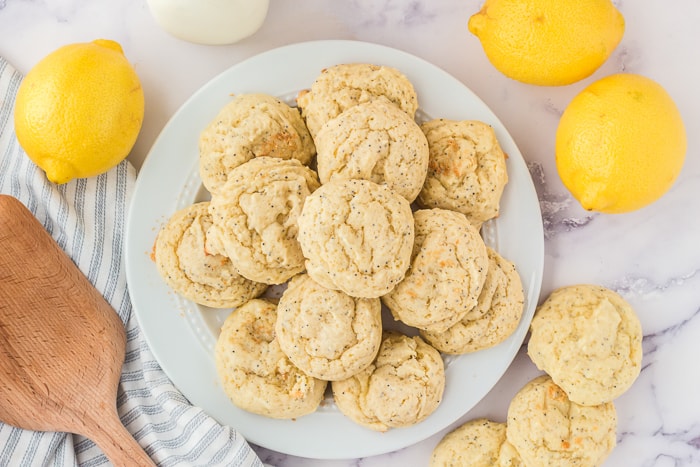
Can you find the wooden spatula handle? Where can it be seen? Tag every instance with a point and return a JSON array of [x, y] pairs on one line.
[[116, 442]]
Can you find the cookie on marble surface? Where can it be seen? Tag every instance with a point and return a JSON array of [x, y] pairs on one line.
[[251, 125], [449, 265], [326, 333], [375, 141], [342, 86], [400, 388], [255, 217], [187, 264], [476, 443], [255, 374], [357, 237], [495, 316], [546, 428], [589, 340], [467, 169]]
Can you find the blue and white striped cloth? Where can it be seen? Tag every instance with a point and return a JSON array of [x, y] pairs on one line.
[[87, 219]]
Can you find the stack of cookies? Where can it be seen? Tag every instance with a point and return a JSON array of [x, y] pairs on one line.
[[588, 341], [353, 206]]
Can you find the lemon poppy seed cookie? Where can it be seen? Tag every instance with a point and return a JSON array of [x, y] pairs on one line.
[[589, 340], [476, 443], [251, 125], [495, 316], [376, 141], [449, 263], [400, 388], [326, 333], [342, 86], [187, 264], [256, 375], [508, 456], [357, 237], [546, 428], [255, 217], [467, 169]]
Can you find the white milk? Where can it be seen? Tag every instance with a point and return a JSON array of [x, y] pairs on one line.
[[209, 21]]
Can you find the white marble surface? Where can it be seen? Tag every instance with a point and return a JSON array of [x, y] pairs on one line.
[[652, 256]]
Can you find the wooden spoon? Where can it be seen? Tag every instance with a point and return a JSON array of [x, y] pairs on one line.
[[61, 344]]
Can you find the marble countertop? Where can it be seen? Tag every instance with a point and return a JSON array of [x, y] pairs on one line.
[[651, 256]]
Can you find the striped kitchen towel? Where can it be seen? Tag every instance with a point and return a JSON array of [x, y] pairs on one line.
[[87, 219]]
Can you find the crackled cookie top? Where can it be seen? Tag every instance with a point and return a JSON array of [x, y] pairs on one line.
[[448, 269], [495, 316], [357, 237], [467, 169], [186, 262], [376, 141], [402, 387], [589, 340], [546, 428], [256, 375], [476, 443], [342, 86], [327, 333], [508, 456], [255, 217], [251, 125]]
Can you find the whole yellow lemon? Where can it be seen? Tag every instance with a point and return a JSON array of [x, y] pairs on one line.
[[548, 42], [79, 110], [620, 143]]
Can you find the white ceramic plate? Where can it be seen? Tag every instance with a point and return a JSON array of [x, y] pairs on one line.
[[182, 335]]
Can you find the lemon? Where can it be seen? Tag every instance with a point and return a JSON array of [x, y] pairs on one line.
[[620, 143], [79, 110], [548, 42]]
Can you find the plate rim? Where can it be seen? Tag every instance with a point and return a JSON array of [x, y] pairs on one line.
[[200, 100]]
